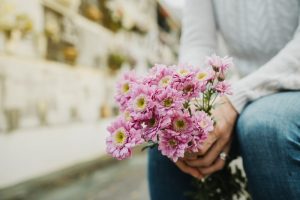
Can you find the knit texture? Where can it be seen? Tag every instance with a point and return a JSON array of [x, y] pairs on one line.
[[263, 37]]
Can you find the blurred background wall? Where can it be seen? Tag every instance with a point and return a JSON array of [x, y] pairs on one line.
[[59, 61]]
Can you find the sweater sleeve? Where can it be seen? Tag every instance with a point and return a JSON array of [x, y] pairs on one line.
[[198, 32], [282, 72]]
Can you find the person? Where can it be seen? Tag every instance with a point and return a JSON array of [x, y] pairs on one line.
[[263, 114]]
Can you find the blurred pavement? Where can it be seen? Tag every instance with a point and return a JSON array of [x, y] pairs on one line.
[[125, 180]]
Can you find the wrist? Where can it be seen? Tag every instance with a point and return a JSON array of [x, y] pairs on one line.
[[229, 110]]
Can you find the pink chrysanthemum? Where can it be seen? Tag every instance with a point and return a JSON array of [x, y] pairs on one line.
[[205, 75], [214, 61], [154, 125], [188, 85], [160, 76], [202, 125], [124, 89], [202, 122], [122, 139], [163, 108], [183, 70], [181, 122], [196, 141], [226, 63], [141, 105], [223, 88], [172, 144], [168, 100], [218, 63]]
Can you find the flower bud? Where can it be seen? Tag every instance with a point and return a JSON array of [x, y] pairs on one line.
[[221, 77]]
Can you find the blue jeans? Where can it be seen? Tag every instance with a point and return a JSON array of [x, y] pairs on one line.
[[268, 139]]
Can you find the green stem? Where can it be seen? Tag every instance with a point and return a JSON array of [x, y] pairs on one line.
[[212, 103]]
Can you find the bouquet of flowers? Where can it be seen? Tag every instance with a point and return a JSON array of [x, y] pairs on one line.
[[171, 107]]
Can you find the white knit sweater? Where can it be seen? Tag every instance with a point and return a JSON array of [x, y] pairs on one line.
[[263, 37]]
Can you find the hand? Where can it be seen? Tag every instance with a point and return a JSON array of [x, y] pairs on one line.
[[207, 160], [189, 170]]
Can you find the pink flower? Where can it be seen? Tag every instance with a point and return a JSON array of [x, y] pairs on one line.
[[218, 63], [172, 144], [223, 88], [124, 89], [196, 142], [157, 69], [214, 61], [202, 122], [202, 125], [154, 125], [184, 70], [122, 139], [141, 105], [188, 85], [181, 122], [168, 100], [163, 108], [226, 63], [205, 75], [160, 76], [173, 139]]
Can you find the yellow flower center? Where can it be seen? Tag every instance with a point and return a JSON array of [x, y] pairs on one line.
[[125, 87], [127, 116], [203, 124], [201, 76], [168, 102], [140, 103], [183, 72], [120, 137], [179, 125], [165, 81], [172, 143]]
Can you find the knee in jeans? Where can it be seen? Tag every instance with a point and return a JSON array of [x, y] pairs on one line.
[[258, 127], [251, 125]]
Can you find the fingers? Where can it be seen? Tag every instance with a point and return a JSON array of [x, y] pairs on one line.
[[189, 170], [217, 165], [211, 139], [205, 147], [207, 144], [190, 156], [212, 154]]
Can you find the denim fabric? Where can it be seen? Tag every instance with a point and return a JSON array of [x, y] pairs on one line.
[[166, 181], [268, 137], [268, 133]]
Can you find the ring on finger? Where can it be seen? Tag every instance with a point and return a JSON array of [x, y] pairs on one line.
[[223, 156]]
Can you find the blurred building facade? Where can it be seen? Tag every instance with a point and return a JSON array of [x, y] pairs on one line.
[[59, 61]]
